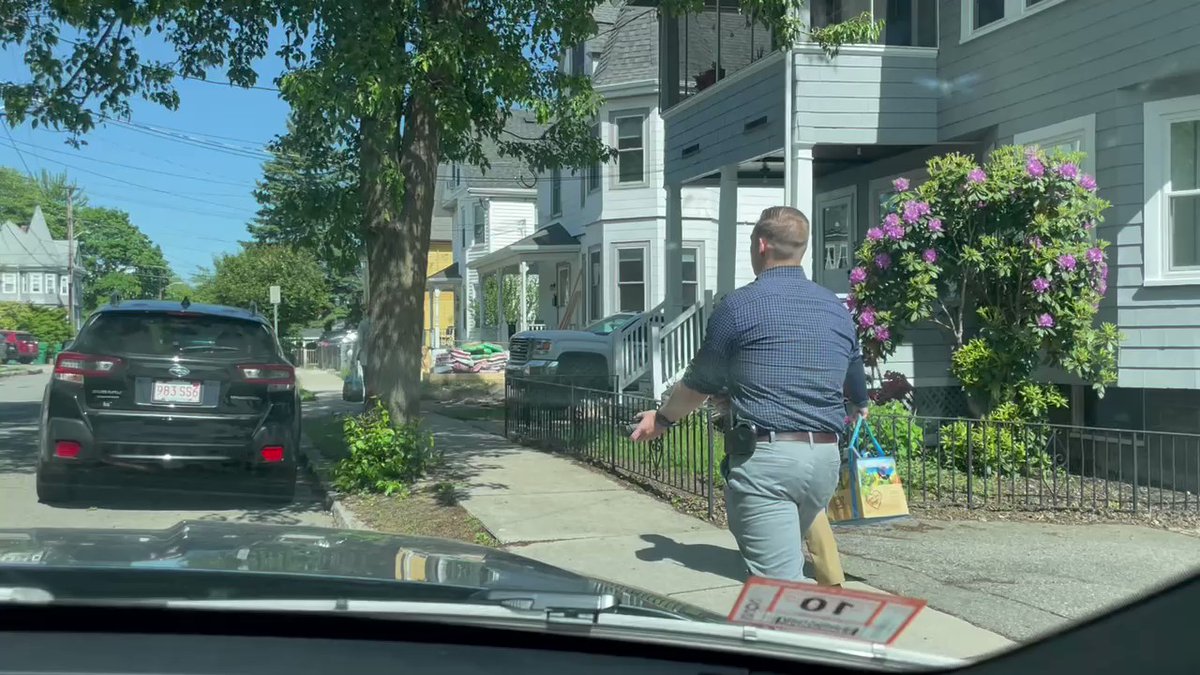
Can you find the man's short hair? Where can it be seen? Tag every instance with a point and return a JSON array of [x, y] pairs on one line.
[[785, 229]]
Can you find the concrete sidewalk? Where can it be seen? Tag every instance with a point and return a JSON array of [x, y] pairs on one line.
[[317, 380], [551, 509]]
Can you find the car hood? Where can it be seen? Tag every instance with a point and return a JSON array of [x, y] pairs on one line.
[[313, 551], [560, 335]]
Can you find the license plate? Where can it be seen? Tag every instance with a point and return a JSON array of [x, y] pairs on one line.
[[176, 392]]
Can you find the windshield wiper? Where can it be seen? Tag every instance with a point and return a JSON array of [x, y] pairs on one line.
[[558, 606]]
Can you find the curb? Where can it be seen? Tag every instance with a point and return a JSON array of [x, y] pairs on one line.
[[18, 372], [322, 470]]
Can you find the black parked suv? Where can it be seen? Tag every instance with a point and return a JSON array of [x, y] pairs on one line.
[[160, 384]]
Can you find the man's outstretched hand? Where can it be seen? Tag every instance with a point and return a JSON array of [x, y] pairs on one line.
[[647, 428]]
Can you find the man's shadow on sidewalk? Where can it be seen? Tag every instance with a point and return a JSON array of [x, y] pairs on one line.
[[725, 562]]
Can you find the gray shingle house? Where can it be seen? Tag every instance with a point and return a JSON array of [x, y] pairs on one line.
[[1119, 80], [33, 266]]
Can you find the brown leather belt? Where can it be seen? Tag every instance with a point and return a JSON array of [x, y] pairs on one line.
[[806, 436]]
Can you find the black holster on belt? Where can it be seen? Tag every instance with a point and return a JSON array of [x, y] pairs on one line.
[[741, 439]]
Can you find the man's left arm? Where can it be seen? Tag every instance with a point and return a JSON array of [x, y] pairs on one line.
[[707, 375]]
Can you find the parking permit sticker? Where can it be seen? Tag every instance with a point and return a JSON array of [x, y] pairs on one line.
[[809, 608]]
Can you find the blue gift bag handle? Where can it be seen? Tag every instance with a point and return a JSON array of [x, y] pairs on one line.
[[859, 426]]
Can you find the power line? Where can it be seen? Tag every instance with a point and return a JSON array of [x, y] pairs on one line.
[[127, 166]]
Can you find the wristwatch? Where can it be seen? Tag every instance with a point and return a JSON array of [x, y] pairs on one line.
[[662, 420]]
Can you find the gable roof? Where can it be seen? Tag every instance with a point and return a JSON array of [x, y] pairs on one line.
[[31, 246], [505, 172], [631, 50]]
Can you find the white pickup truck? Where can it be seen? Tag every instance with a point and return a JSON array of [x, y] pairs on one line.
[[581, 358]]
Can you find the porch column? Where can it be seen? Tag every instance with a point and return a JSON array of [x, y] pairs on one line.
[[673, 251], [727, 231], [435, 319], [799, 168], [501, 322], [523, 306], [463, 331]]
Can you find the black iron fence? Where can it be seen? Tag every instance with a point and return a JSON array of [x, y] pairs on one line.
[[941, 461], [593, 425]]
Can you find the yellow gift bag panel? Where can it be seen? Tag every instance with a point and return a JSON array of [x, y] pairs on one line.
[[869, 486]]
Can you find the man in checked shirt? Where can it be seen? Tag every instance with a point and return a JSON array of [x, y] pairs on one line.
[[785, 350]]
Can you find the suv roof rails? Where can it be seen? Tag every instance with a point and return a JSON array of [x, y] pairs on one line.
[[253, 307], [185, 303], [114, 299]]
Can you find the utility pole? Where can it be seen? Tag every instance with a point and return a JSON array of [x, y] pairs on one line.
[[71, 258]]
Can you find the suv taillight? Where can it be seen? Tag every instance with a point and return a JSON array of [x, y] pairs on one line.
[[277, 377], [73, 366]]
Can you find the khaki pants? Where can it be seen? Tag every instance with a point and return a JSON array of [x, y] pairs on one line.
[[827, 564]]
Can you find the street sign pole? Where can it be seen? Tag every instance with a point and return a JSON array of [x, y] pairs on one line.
[[275, 306]]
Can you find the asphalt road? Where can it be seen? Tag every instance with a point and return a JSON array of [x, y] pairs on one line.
[[141, 502]]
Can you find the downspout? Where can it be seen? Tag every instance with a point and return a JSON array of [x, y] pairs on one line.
[[789, 171]]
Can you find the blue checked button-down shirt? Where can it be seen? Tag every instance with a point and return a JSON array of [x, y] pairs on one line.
[[785, 350]]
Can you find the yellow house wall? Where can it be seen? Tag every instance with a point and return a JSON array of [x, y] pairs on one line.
[[441, 256]]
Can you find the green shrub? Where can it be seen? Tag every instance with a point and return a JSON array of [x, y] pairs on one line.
[[383, 458], [47, 324], [1004, 442], [897, 431]]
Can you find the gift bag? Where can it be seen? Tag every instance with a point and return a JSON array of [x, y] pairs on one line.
[[869, 486]]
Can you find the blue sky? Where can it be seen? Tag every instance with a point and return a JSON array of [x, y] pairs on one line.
[[193, 201]]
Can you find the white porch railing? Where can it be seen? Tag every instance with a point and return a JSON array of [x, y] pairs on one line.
[[631, 347], [536, 326], [673, 344]]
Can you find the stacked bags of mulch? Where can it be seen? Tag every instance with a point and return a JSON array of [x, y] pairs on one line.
[[482, 357]]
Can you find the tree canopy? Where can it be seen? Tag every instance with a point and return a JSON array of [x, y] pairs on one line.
[[246, 277]]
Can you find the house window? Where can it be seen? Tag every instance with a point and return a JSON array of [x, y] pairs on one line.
[[595, 284], [49, 284], [1074, 135], [25, 282], [63, 286], [579, 60], [631, 152], [980, 17], [456, 174], [480, 216], [631, 279], [883, 191], [8, 283], [594, 171], [1172, 215], [556, 192], [35, 282], [691, 275]]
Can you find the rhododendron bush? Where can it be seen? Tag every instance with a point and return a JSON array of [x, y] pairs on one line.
[[1003, 258]]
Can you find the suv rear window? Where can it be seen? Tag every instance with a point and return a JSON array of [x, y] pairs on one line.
[[168, 334]]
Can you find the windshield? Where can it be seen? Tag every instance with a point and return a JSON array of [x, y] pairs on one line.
[[164, 334], [612, 324], [673, 302]]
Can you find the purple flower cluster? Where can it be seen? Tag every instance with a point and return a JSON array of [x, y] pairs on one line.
[[858, 275], [882, 333], [1087, 183], [866, 318], [1034, 167], [1045, 321], [883, 261], [914, 211], [1069, 171], [930, 256], [976, 176], [1089, 225], [935, 225], [1040, 285], [901, 184], [1067, 262], [874, 234], [1095, 256]]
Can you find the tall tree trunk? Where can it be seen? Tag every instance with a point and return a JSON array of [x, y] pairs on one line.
[[397, 221]]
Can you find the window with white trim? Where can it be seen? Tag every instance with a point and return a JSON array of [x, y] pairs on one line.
[[595, 284], [631, 149], [594, 171], [556, 192], [692, 264], [35, 282], [63, 286], [980, 17], [882, 191], [1073, 135], [49, 279], [1172, 184], [631, 278], [480, 223], [25, 282], [8, 283]]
